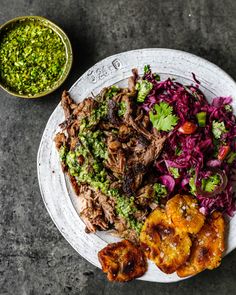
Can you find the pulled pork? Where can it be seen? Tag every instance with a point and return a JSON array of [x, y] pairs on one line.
[[131, 146], [96, 210]]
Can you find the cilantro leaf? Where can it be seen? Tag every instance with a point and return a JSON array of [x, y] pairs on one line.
[[146, 69], [218, 128], [143, 87], [209, 184], [157, 77], [163, 119]]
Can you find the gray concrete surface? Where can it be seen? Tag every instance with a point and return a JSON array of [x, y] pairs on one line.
[[34, 257]]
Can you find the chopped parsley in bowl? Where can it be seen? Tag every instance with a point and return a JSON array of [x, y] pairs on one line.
[[35, 57]]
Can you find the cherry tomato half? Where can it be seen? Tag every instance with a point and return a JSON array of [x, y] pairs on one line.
[[223, 152], [188, 128]]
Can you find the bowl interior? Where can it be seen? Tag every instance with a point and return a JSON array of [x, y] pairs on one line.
[[68, 49]]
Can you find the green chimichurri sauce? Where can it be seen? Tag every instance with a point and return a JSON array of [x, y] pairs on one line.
[[96, 176], [91, 171], [32, 58]]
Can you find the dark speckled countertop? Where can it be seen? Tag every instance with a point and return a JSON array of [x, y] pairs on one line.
[[34, 257]]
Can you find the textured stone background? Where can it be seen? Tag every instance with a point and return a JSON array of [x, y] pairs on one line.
[[34, 257]]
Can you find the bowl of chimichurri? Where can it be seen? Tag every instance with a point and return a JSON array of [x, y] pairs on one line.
[[35, 56]]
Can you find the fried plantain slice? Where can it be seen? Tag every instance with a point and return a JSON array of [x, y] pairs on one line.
[[208, 247], [184, 213], [164, 244], [122, 261]]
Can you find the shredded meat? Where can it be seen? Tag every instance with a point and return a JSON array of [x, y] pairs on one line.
[[66, 102], [84, 108], [138, 164], [60, 140], [145, 195], [122, 230], [116, 158], [107, 205], [73, 142], [67, 122], [75, 113], [113, 113], [96, 209], [132, 146]]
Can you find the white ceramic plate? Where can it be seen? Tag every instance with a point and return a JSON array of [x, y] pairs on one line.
[[56, 190]]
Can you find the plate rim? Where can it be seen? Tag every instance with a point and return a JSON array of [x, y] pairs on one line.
[[178, 51]]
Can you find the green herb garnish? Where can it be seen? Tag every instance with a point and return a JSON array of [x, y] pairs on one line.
[[157, 77], [95, 117], [160, 191], [94, 141], [63, 152], [231, 157], [163, 118], [178, 151], [210, 183], [143, 87], [218, 128], [122, 109], [192, 185], [174, 171], [146, 69], [112, 91], [228, 108]]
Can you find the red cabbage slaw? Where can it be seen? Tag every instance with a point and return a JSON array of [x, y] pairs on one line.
[[195, 156]]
